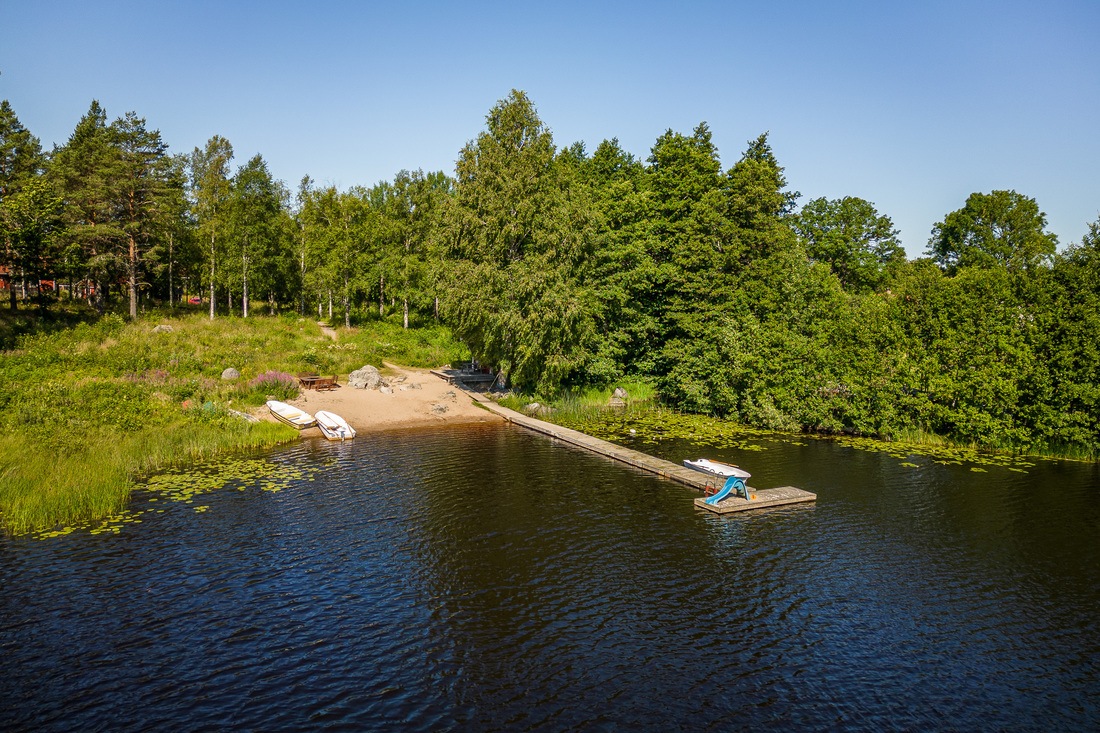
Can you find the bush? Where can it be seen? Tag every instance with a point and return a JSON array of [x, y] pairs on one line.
[[279, 385]]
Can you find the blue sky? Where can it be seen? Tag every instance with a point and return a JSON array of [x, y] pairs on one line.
[[912, 106]]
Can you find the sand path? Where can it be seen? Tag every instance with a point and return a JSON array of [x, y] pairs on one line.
[[417, 400]]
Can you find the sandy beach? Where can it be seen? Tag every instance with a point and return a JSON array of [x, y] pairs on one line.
[[418, 399]]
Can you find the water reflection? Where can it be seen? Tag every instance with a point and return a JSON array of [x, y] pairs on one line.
[[491, 579]]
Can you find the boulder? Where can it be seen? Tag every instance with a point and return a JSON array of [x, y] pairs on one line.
[[439, 408], [616, 402], [385, 389], [366, 377], [619, 393], [231, 373], [162, 328]]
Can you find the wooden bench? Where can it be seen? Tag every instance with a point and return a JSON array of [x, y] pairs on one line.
[[325, 383], [317, 382]]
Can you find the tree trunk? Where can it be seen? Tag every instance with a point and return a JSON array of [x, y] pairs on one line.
[[347, 304], [381, 295], [211, 277], [244, 284], [406, 313], [330, 305], [171, 303], [131, 279]]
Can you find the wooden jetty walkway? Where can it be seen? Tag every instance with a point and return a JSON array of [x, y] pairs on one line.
[[679, 473]]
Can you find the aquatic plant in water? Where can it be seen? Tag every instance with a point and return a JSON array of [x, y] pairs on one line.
[[648, 424], [185, 485]]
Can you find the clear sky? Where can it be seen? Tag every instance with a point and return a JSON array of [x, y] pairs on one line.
[[912, 106]]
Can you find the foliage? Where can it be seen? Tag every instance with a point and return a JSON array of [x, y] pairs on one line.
[[273, 383], [517, 233], [1001, 228], [860, 245], [569, 272]]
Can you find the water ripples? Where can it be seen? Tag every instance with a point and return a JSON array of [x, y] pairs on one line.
[[488, 579]]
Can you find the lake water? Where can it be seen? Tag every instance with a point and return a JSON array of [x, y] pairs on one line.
[[490, 579]]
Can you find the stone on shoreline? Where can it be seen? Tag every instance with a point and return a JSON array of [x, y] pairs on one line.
[[366, 377]]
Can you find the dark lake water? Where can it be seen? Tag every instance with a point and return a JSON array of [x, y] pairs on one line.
[[490, 579]]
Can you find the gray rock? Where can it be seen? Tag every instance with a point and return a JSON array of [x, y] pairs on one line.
[[366, 377], [616, 402], [385, 389], [439, 408], [620, 393], [162, 328], [450, 395], [231, 373]]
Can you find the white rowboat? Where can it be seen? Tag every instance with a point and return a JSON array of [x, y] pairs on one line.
[[717, 468], [292, 416], [333, 426]]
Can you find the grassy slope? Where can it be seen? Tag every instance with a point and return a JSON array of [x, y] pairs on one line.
[[84, 409]]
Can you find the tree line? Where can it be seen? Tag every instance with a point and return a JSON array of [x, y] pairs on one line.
[[565, 267]]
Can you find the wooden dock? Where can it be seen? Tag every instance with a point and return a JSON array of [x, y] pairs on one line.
[[764, 498], [677, 472], [468, 377]]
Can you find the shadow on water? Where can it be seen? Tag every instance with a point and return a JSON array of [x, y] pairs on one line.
[[490, 579]]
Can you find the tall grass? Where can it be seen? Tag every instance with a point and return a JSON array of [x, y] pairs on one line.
[[588, 401], [86, 408]]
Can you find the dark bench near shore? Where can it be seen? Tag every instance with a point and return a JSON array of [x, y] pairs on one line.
[[317, 382]]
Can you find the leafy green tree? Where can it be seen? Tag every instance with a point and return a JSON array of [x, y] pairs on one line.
[[21, 161], [692, 236], [147, 195], [860, 245], [210, 196], [175, 256], [258, 232], [1001, 228], [1064, 400], [414, 209], [32, 218], [86, 172], [624, 272], [519, 232]]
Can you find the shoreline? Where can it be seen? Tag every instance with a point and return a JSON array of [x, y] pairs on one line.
[[419, 399]]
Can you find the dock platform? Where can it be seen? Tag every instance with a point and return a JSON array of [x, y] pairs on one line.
[[469, 377], [677, 472], [764, 498]]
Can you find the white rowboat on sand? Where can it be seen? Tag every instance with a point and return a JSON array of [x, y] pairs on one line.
[[333, 426], [291, 415]]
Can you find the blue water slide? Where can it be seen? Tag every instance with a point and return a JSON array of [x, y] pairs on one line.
[[733, 483]]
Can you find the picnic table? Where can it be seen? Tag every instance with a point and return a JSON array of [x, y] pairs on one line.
[[309, 380]]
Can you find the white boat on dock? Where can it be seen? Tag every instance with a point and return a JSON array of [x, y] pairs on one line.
[[290, 415], [333, 426], [736, 478]]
